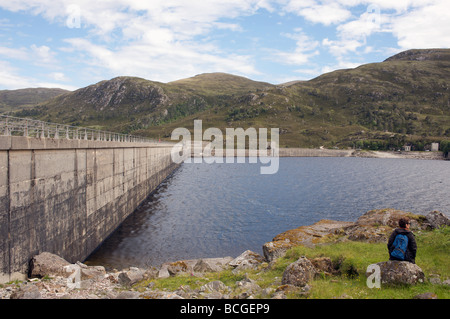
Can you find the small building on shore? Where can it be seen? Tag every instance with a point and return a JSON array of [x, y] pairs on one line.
[[435, 147]]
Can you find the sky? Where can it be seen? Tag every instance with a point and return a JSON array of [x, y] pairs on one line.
[[71, 44]]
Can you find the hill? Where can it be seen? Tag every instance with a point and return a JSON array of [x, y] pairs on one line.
[[13, 100], [404, 99]]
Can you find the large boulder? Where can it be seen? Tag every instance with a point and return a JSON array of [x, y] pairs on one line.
[[299, 273], [47, 264], [385, 217], [247, 260], [28, 291], [398, 272], [130, 277], [304, 235], [376, 225], [193, 265], [437, 219]]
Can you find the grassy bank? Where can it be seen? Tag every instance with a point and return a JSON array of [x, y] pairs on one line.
[[349, 259]]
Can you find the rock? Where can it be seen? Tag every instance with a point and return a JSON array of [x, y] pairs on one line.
[[215, 290], [376, 225], [304, 235], [193, 265], [212, 264], [203, 266], [130, 277], [324, 264], [177, 267], [434, 279], [128, 295], [91, 272], [247, 288], [282, 291], [276, 249], [368, 233], [215, 285], [247, 260], [399, 272], [266, 292], [47, 264], [299, 273], [27, 292], [437, 219], [427, 295], [385, 217]]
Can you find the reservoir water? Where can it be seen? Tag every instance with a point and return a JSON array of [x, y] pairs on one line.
[[216, 210]]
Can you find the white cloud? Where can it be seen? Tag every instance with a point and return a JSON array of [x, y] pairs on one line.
[[326, 13], [158, 39], [166, 40], [42, 54], [424, 27], [305, 49], [145, 59], [9, 78], [58, 76], [11, 53]]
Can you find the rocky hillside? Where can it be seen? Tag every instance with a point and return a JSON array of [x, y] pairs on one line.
[[405, 99]]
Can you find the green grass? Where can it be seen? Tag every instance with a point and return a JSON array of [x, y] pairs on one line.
[[173, 283], [350, 259]]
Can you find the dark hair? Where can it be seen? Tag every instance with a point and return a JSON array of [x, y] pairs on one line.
[[403, 222]]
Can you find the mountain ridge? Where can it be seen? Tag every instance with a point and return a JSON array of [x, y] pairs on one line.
[[407, 96], [24, 98]]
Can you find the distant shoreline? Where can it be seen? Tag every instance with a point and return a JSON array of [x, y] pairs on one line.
[[315, 152]]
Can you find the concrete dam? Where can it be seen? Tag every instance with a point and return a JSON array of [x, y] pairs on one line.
[[64, 190]]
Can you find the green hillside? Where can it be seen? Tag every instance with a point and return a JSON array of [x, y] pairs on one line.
[[13, 100], [405, 99]]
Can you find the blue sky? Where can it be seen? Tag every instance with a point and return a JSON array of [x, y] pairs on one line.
[[74, 43]]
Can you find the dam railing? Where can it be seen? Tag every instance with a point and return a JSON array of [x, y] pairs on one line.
[[15, 126]]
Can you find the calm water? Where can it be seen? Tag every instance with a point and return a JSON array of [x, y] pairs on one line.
[[216, 210]]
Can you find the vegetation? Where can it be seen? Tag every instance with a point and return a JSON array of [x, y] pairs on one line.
[[26, 99], [350, 260], [379, 106]]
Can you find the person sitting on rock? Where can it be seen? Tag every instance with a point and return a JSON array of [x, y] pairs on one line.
[[396, 251]]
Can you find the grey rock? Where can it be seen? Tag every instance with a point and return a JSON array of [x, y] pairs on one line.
[[130, 277], [247, 287], [399, 272], [128, 295], [48, 264], [299, 273], [247, 260], [427, 295], [276, 249], [437, 219], [215, 286], [27, 292]]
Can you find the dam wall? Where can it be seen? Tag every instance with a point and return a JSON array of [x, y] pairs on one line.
[[67, 196]]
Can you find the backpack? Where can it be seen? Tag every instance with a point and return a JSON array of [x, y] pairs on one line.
[[400, 244]]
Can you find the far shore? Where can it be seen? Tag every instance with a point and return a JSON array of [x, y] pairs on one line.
[[322, 152]]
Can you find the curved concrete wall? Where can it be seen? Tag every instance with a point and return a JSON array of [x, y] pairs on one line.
[[67, 196]]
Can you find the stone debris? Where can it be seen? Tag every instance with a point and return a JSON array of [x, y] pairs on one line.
[[52, 277]]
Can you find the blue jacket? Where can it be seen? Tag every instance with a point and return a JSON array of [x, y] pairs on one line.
[[412, 246]]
